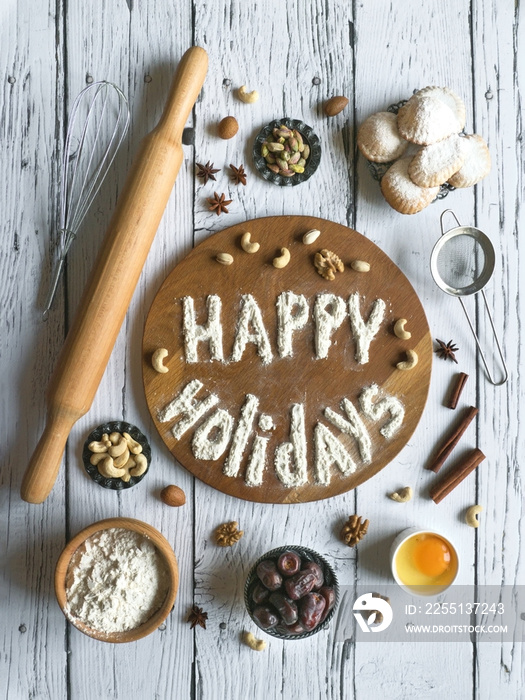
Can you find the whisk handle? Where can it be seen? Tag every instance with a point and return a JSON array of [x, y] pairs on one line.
[[116, 272]]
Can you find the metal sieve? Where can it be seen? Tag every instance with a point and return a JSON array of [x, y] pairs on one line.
[[462, 263]]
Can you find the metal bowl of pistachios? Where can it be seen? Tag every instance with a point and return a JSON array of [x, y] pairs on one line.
[[287, 152], [116, 455]]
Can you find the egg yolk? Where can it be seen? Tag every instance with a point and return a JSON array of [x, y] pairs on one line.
[[431, 556]]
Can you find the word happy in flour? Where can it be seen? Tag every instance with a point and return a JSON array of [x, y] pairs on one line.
[[216, 434]]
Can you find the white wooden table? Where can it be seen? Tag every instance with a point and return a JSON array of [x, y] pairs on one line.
[[376, 53]]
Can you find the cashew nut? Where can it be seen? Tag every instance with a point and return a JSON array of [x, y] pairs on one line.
[[249, 97], [97, 457], [402, 495], [360, 266], [311, 236], [140, 465], [157, 360], [114, 438], [224, 258], [247, 245], [410, 362], [471, 515], [134, 446], [399, 329], [283, 259], [98, 447], [253, 643], [122, 459], [107, 468], [119, 448]]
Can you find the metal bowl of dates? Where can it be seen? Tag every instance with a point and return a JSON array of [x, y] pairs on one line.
[[296, 137], [291, 592]]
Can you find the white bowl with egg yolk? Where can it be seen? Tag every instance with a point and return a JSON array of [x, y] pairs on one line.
[[423, 562]]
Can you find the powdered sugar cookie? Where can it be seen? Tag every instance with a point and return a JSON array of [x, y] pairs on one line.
[[450, 98], [401, 193], [378, 138], [433, 165], [426, 119], [477, 162]]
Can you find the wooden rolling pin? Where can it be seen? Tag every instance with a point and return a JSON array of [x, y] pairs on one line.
[[114, 277]]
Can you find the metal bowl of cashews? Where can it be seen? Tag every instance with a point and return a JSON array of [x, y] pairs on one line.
[[116, 455]]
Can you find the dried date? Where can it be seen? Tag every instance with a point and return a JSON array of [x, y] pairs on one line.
[[289, 563], [299, 585], [259, 593], [265, 616], [286, 608], [316, 569], [268, 575], [329, 596], [290, 630], [311, 608]]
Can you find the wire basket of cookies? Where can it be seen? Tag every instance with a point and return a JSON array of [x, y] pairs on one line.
[[417, 149]]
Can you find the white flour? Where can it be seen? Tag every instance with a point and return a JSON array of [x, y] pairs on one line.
[[288, 322], [210, 332], [116, 581], [251, 317], [363, 332], [374, 410]]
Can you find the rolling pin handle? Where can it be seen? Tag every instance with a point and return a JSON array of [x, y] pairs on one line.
[[43, 468]]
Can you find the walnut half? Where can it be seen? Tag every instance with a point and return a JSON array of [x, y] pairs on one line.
[[354, 530], [228, 534], [328, 263]]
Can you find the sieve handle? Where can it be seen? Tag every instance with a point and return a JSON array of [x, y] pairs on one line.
[[500, 351], [447, 211]]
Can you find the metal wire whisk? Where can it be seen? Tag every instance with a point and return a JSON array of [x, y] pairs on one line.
[[97, 125]]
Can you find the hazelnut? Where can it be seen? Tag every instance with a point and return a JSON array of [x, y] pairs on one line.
[[228, 127], [173, 496], [335, 105]]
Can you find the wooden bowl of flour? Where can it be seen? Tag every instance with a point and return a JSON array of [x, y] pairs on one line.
[[117, 580]]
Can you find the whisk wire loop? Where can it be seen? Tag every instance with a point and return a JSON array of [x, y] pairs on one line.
[[98, 123]]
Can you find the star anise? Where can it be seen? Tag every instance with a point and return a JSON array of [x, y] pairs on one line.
[[197, 616], [238, 174], [206, 172], [219, 203], [447, 350]]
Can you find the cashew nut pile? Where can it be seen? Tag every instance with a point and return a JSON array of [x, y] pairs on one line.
[[118, 456]]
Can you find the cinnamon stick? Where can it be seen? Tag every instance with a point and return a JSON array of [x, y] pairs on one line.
[[453, 439], [456, 475], [459, 384]]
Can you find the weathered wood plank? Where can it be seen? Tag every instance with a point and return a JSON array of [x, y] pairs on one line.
[[396, 52], [33, 656], [130, 49], [498, 69]]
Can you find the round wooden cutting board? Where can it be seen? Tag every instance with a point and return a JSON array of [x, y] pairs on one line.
[[301, 384]]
